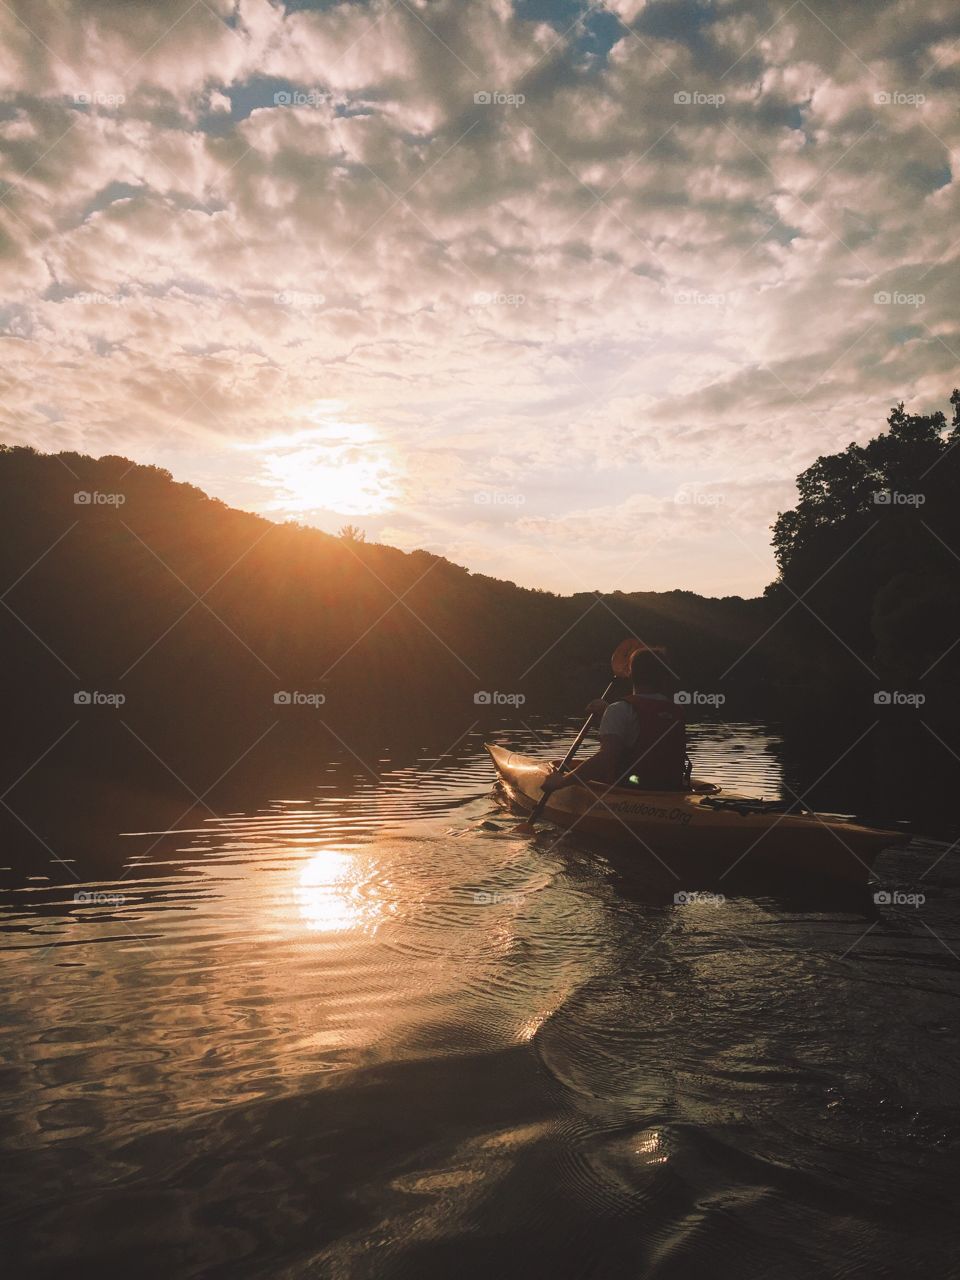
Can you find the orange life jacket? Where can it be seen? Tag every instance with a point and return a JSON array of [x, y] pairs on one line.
[[658, 756]]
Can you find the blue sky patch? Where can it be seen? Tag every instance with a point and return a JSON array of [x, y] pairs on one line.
[[594, 37], [319, 6]]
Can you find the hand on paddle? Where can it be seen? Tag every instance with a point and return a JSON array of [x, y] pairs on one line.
[[620, 666], [559, 778]]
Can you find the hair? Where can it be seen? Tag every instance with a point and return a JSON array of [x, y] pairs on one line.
[[649, 670]]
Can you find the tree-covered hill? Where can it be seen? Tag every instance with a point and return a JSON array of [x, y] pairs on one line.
[[153, 589], [118, 580]]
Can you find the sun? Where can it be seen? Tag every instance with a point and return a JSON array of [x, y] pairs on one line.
[[343, 468], [351, 484]]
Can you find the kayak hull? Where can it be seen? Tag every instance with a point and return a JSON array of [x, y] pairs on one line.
[[680, 829]]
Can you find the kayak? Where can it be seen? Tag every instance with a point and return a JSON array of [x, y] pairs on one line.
[[725, 834]]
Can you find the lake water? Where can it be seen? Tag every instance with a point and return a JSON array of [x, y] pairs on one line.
[[365, 1031]]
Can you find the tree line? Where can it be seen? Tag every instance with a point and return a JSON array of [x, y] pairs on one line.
[[122, 581]]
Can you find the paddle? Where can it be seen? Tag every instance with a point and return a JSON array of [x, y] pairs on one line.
[[620, 665]]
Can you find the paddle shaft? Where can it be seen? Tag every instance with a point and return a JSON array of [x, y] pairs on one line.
[[574, 748]]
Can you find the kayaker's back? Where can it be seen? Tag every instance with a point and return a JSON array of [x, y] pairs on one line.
[[653, 733]]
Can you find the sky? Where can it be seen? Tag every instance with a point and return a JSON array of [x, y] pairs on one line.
[[566, 293]]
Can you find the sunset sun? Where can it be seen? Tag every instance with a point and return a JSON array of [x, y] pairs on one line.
[[343, 468]]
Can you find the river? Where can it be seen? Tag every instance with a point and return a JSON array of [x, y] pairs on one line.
[[363, 1030]]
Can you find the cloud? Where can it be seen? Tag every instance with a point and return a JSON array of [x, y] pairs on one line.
[[649, 260]]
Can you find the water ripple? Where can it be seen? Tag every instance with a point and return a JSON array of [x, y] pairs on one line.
[[369, 1031]]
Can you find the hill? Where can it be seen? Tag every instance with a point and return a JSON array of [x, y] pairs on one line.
[[122, 581]]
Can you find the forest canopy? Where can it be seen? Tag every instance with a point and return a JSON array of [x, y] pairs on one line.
[[872, 550], [195, 610]]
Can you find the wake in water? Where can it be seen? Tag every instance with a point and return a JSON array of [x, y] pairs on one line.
[[446, 1049]]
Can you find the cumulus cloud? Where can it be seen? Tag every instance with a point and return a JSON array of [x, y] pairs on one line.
[[587, 262]]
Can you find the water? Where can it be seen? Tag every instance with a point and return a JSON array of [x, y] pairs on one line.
[[367, 1032]]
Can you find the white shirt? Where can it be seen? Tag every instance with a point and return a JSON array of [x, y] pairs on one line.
[[620, 720]]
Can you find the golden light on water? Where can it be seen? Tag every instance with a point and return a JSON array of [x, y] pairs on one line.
[[328, 894], [650, 1147]]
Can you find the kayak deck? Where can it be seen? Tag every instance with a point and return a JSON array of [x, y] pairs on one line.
[[688, 824]]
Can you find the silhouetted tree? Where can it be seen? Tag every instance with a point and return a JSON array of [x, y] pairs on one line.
[[351, 533], [871, 552]]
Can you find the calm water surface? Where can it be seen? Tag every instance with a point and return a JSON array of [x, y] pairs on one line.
[[367, 1032]]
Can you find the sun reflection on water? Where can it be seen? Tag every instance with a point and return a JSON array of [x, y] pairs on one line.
[[650, 1147], [329, 893]]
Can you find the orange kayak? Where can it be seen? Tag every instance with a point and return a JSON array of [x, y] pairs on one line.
[[726, 835]]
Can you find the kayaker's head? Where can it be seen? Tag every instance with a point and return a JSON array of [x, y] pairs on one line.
[[649, 671]]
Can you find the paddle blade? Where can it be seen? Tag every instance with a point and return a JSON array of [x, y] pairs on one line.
[[620, 658], [623, 655], [527, 827]]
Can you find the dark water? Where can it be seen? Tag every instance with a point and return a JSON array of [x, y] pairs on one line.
[[367, 1032]]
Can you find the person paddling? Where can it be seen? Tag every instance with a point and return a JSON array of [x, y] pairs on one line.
[[642, 737]]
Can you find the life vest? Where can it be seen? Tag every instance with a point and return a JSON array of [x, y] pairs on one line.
[[658, 756]]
